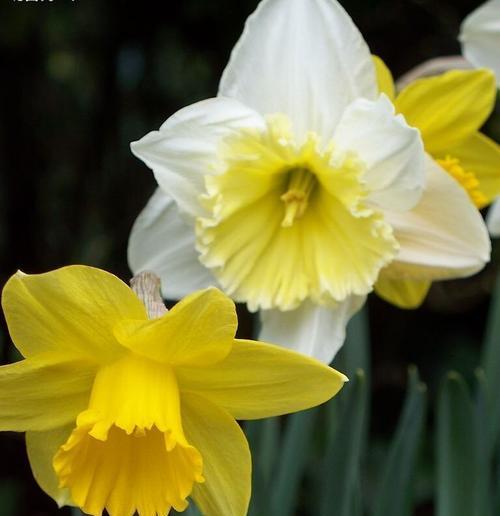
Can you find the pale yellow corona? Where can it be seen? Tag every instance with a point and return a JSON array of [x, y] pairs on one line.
[[300, 226]]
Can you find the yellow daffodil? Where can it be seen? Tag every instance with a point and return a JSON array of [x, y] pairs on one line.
[[449, 110], [296, 185], [124, 413]]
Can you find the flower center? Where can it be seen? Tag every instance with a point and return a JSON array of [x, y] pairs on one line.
[[128, 451], [300, 186], [289, 221], [466, 178]]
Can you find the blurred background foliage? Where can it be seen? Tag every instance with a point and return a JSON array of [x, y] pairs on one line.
[[84, 78]]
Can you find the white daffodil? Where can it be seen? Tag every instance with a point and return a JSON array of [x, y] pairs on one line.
[[298, 184], [480, 38], [493, 219]]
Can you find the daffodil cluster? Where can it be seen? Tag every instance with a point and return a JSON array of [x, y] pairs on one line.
[[124, 413], [300, 188], [305, 184]]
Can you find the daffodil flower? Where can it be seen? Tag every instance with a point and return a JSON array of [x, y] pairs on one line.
[[480, 37], [124, 413], [298, 184], [449, 110]]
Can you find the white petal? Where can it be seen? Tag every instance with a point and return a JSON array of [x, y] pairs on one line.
[[313, 330], [183, 151], [392, 151], [480, 37], [444, 236], [161, 241], [303, 58], [493, 219]]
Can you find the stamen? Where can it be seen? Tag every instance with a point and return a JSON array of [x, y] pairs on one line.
[[466, 178], [296, 198]]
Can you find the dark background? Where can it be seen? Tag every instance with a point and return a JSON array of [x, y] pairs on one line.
[[82, 79]]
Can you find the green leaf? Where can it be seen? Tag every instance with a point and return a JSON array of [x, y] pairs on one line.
[[395, 495], [340, 470], [268, 448], [264, 439], [10, 494], [491, 365], [355, 354], [296, 445], [455, 449], [192, 510], [483, 500], [496, 495]]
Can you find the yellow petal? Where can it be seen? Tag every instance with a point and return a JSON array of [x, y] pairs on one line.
[[41, 447], [384, 78], [402, 293], [40, 395], [70, 311], [448, 108], [198, 331], [226, 458], [481, 156], [261, 380]]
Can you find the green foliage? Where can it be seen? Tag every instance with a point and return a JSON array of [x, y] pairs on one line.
[[455, 449], [341, 466], [395, 493], [491, 366], [313, 463], [9, 498], [293, 460]]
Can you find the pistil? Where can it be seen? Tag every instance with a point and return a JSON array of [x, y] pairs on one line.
[[300, 187]]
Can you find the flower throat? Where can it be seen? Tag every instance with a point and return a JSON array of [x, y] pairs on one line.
[[301, 184]]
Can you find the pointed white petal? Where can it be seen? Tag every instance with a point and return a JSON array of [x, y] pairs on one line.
[[304, 58], [392, 151], [444, 236], [314, 330], [161, 241], [184, 150], [480, 37], [493, 219]]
